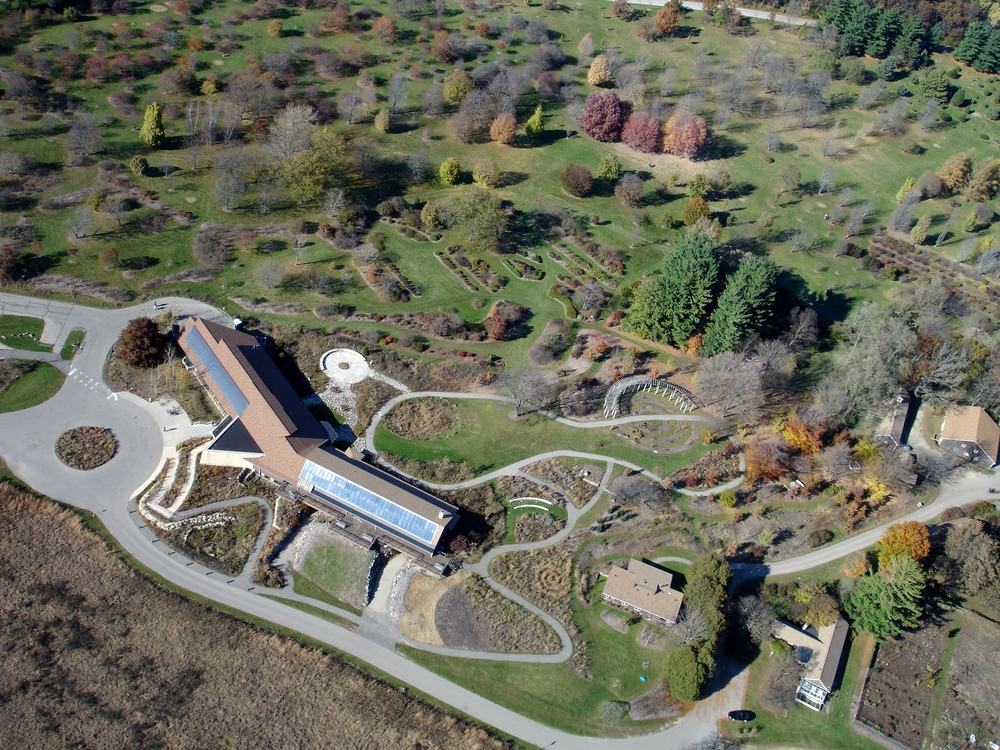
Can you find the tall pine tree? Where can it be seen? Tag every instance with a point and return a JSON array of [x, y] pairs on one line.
[[745, 306], [672, 307]]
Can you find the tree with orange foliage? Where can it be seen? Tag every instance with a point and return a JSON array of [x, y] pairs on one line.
[[385, 30], [800, 436], [502, 129], [765, 461], [909, 538], [666, 20], [684, 134], [856, 565]]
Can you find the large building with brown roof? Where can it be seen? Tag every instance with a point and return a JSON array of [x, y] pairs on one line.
[[269, 430], [970, 432], [644, 590]]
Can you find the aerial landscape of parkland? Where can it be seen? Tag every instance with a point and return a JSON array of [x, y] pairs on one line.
[[499, 374]]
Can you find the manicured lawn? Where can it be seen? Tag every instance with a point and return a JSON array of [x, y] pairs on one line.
[[803, 727], [21, 332], [40, 384], [72, 345], [339, 570], [305, 586], [489, 439]]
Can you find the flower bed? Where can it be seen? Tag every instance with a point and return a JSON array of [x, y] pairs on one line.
[[86, 448]]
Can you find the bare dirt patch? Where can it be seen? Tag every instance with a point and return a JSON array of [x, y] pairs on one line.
[[897, 695], [96, 655], [419, 621], [86, 448], [423, 419]]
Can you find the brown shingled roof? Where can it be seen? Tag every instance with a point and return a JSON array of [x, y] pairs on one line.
[[972, 424], [645, 588]]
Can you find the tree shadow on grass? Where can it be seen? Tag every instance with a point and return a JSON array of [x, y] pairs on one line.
[[721, 146]]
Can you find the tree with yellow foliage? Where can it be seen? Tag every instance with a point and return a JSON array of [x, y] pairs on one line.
[[909, 538]]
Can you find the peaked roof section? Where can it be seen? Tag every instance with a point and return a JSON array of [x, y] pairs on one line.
[[272, 413], [972, 424], [822, 649], [646, 588]]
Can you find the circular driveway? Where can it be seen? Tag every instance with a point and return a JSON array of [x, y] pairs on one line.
[[28, 439]]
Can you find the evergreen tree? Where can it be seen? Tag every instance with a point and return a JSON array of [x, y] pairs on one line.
[[886, 69], [885, 602], [672, 307], [910, 49], [745, 306], [904, 190], [883, 38], [858, 29], [151, 133], [535, 125], [935, 85], [973, 43]]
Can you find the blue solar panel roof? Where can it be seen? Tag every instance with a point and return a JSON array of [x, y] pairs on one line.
[[214, 368], [368, 503]]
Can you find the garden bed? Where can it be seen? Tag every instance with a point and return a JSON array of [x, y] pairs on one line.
[[215, 483], [714, 468], [535, 526], [423, 418], [86, 448], [897, 695], [224, 547]]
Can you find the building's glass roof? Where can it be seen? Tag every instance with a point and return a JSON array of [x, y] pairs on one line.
[[331, 484], [214, 368]]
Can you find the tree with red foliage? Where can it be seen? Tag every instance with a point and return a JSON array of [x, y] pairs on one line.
[[140, 344], [504, 320], [385, 30], [602, 116], [642, 132], [97, 69], [684, 134]]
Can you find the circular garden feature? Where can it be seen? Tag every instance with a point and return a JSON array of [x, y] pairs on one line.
[[86, 448], [423, 419]]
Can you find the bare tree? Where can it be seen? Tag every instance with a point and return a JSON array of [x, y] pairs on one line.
[[269, 274], [732, 385], [228, 190], [691, 626], [893, 120], [756, 50], [757, 617], [432, 102], [774, 70], [525, 385], [347, 104], [289, 132], [825, 182], [83, 222], [334, 203], [772, 141], [118, 206], [666, 81], [902, 218], [397, 92], [803, 329], [83, 139], [928, 116], [947, 226], [299, 243]]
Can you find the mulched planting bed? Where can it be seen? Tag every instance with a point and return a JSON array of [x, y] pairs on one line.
[[897, 696], [423, 419], [86, 448]]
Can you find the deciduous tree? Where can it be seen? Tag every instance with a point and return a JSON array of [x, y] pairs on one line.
[[503, 127], [909, 538], [642, 132], [577, 180], [602, 116], [684, 134], [140, 344], [599, 72], [151, 134]]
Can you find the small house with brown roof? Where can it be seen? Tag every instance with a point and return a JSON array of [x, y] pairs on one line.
[[893, 427], [970, 432], [268, 430], [645, 590], [819, 651]]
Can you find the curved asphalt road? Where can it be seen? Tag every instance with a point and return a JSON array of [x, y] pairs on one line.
[[106, 491]]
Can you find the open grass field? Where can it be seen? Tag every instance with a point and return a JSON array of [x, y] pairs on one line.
[[180, 672], [41, 382], [873, 168], [340, 571], [20, 332], [488, 438]]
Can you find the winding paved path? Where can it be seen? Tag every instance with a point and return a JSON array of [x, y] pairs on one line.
[[27, 440]]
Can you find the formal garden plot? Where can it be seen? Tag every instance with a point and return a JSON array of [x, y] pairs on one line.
[[714, 468], [659, 437], [338, 568], [423, 418], [901, 682], [86, 448], [513, 487], [221, 541], [215, 483], [970, 704]]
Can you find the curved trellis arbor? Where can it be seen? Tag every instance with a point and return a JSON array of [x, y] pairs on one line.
[[644, 384]]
